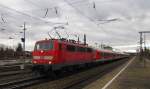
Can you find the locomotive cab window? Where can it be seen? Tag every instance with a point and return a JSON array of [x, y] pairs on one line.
[[44, 46]]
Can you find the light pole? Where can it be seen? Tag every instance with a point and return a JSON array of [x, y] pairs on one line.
[[141, 42], [11, 38], [24, 43], [24, 39], [24, 32]]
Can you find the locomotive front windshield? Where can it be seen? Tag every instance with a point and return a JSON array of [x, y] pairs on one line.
[[44, 46]]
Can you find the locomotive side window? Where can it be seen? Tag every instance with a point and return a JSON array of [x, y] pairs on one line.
[[81, 49], [78, 49], [89, 50], [103, 54], [60, 46], [71, 48]]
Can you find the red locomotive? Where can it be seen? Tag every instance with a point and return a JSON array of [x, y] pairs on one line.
[[55, 54]]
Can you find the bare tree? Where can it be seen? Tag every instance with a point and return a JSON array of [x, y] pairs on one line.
[[19, 50]]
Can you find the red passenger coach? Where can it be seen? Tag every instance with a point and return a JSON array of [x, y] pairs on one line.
[[104, 55]]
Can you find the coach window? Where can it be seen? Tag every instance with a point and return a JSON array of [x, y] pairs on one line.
[[108, 54], [102, 54], [105, 54]]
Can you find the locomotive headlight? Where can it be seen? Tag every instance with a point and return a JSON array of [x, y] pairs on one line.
[[48, 57], [36, 57], [34, 62]]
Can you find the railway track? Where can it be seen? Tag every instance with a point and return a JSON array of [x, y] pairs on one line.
[[8, 68], [8, 77], [78, 84], [78, 80], [16, 84], [11, 73], [69, 81]]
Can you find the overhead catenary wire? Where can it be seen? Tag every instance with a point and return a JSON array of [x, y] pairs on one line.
[[71, 4], [38, 18], [93, 5], [44, 21], [29, 1], [80, 11], [46, 12], [47, 9], [22, 13], [2, 17], [26, 14], [92, 20], [96, 21]]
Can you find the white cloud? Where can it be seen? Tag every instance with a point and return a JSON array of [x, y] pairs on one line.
[[133, 17]]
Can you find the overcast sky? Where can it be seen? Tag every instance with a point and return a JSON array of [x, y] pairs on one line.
[[83, 16]]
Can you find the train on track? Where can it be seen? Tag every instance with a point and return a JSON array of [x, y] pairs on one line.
[[56, 54]]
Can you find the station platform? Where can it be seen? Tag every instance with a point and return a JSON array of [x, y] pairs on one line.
[[133, 75]]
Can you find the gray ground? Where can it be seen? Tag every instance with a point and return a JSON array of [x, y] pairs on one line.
[[136, 76]]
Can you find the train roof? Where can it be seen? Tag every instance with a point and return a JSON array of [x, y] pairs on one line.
[[65, 41], [107, 51]]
